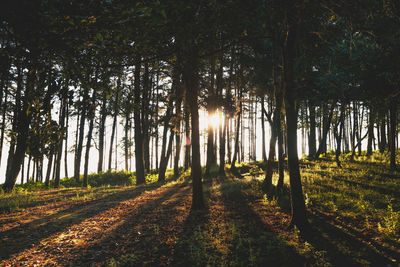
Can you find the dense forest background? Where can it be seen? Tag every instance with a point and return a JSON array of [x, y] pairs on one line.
[[325, 69]]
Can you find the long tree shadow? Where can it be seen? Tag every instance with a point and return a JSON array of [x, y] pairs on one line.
[[143, 237], [382, 190], [55, 197], [189, 249], [26, 235], [254, 240], [343, 249], [377, 249]]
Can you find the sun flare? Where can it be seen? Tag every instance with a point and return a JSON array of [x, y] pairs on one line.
[[215, 120]]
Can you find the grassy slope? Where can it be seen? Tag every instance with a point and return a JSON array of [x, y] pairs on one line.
[[354, 212]]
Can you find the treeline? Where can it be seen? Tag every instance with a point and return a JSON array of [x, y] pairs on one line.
[[328, 65]]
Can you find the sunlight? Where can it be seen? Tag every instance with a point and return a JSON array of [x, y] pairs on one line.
[[216, 119]]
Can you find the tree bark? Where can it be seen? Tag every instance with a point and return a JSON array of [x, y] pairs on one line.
[[298, 210], [140, 178], [23, 118], [102, 125], [393, 133], [326, 124], [78, 149], [312, 140], [191, 79]]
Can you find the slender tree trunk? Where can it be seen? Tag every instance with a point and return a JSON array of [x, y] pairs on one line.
[[127, 141], [48, 172], [102, 126], [91, 116], [114, 125], [393, 133], [237, 129], [178, 130], [78, 149], [281, 160], [140, 178], [187, 141], [371, 123], [264, 154], [312, 141], [383, 143], [145, 117], [326, 123], [3, 123], [66, 141], [211, 157], [59, 145]]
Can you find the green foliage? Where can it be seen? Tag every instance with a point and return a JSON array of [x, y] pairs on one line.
[[15, 200], [102, 179]]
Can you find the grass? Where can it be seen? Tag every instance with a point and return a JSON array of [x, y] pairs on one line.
[[354, 211]]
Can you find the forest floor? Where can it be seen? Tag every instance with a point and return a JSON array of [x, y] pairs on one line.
[[352, 212]]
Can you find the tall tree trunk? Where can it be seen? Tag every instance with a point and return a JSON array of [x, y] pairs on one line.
[[114, 125], [211, 157], [191, 79], [48, 172], [371, 122], [298, 211], [264, 154], [59, 145], [140, 178], [393, 133], [312, 141], [3, 123], [383, 142], [338, 135], [66, 141], [238, 125], [126, 140], [178, 129], [281, 160], [145, 118], [22, 122], [187, 139], [326, 123], [102, 126], [91, 116], [78, 149]]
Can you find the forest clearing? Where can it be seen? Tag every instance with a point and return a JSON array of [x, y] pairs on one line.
[[351, 211]]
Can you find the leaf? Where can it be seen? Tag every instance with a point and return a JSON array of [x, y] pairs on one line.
[[164, 14]]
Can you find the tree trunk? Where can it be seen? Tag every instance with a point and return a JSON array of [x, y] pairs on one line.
[[22, 122], [48, 172], [312, 141], [326, 123], [59, 145], [237, 129], [140, 178], [296, 192], [114, 125], [91, 116], [78, 149], [102, 126], [371, 123], [264, 154], [191, 79], [187, 139], [145, 118], [66, 141], [393, 133]]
